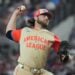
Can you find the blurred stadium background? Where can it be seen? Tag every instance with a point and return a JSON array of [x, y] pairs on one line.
[[63, 24]]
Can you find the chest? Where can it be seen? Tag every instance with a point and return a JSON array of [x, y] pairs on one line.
[[37, 39]]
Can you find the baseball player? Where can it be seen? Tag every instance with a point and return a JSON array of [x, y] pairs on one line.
[[35, 43]]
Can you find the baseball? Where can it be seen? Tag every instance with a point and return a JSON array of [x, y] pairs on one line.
[[22, 7]]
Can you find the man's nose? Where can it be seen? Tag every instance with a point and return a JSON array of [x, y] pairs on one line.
[[46, 17]]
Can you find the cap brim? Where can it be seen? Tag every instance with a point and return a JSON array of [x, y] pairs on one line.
[[50, 15]]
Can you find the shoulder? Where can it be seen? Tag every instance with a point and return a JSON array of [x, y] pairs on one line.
[[54, 35], [26, 28], [49, 32]]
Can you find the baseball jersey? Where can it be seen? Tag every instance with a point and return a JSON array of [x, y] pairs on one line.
[[35, 45]]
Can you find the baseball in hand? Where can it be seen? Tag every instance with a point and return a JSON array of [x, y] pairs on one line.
[[23, 7]]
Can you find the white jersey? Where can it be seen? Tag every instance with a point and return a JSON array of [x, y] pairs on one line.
[[35, 46]]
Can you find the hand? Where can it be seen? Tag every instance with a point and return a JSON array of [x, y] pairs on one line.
[[20, 10]]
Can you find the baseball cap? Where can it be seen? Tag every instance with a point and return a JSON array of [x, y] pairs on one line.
[[42, 11]]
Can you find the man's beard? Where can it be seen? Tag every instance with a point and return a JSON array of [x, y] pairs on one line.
[[42, 23]]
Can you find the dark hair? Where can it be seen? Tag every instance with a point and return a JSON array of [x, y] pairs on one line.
[[31, 22]]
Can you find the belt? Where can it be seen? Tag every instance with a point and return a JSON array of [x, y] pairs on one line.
[[35, 71], [31, 69]]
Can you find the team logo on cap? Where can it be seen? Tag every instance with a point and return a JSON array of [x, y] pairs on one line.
[[43, 11]]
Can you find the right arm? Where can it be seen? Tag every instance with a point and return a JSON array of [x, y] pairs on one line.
[[12, 23], [11, 31]]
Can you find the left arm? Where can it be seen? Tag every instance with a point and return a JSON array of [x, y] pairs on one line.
[[61, 48], [63, 51]]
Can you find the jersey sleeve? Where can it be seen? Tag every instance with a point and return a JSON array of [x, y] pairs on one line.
[[14, 35], [56, 44]]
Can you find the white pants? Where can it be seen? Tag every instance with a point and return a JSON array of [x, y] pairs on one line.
[[20, 70]]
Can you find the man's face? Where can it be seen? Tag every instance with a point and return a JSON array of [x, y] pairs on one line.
[[43, 20]]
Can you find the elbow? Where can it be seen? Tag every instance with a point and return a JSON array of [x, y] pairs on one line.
[[8, 34]]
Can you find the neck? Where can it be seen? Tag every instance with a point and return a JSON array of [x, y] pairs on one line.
[[38, 26]]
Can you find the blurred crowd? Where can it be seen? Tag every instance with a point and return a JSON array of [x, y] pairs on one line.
[[9, 50]]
